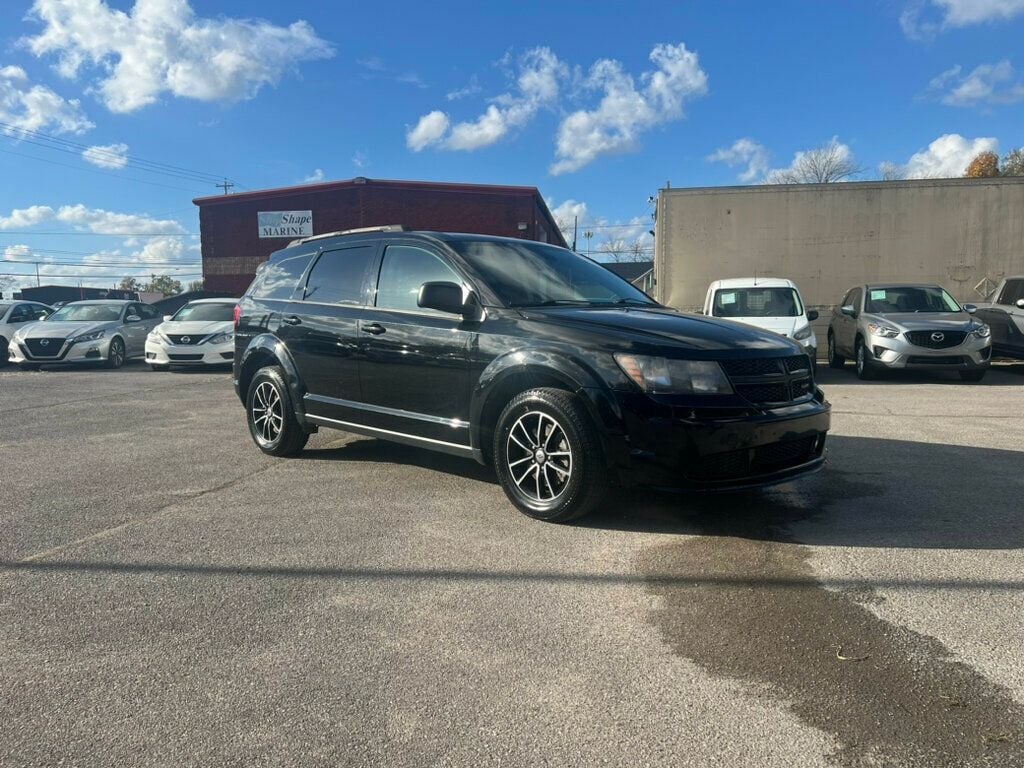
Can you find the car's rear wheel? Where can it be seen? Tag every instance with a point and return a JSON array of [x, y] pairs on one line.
[[115, 355], [973, 375], [548, 456], [271, 418], [865, 368], [835, 360]]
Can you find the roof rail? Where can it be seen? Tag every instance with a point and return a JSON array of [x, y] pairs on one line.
[[359, 231]]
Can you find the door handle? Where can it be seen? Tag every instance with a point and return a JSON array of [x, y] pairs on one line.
[[291, 320], [375, 328]]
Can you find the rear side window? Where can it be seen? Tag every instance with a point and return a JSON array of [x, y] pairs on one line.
[[404, 270], [337, 277], [279, 279], [1013, 290], [147, 311], [39, 312]]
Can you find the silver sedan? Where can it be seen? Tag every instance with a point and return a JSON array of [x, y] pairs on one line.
[[908, 327], [104, 332]]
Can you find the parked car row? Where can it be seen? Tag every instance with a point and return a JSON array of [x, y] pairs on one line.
[[109, 332]]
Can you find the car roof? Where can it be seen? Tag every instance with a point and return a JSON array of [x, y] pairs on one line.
[[754, 282], [876, 286]]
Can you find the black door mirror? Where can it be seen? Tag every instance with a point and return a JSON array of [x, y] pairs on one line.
[[812, 315], [970, 309], [442, 296]]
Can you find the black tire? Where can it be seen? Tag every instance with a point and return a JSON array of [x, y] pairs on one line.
[[159, 368], [115, 355], [865, 370], [973, 375], [4, 356], [569, 482], [279, 433], [835, 360]]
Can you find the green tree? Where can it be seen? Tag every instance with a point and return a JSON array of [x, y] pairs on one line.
[[164, 284], [195, 285], [130, 284]]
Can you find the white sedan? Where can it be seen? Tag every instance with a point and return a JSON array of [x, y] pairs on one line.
[[200, 333]]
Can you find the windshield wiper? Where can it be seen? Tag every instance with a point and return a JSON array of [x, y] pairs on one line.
[[553, 303]]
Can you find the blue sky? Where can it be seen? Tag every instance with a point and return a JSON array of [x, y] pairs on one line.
[[597, 104]]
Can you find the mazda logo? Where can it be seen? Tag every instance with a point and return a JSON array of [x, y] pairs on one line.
[[44, 343], [938, 336], [186, 339]]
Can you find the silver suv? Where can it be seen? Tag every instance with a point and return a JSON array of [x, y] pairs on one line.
[[908, 326]]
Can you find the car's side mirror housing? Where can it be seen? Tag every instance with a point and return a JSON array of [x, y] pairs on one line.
[[812, 315], [133, 319], [1020, 303], [167, 318], [849, 310], [444, 297], [970, 309]]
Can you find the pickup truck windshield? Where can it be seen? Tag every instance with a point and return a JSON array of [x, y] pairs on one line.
[[757, 302], [533, 274], [901, 298]]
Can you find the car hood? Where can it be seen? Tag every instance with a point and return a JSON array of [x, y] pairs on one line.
[[785, 326], [198, 328], [927, 321], [51, 330], [666, 325]]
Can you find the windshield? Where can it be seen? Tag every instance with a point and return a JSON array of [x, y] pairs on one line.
[[883, 301], [529, 274], [207, 312], [757, 302], [86, 313]]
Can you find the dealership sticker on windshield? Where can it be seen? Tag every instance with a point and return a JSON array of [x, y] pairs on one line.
[[878, 295], [727, 298]]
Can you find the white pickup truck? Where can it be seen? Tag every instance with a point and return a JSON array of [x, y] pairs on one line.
[[771, 303], [1005, 316]]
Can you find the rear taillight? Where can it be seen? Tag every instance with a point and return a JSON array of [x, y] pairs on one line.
[[238, 314]]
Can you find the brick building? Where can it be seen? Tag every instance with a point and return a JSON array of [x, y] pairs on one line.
[[240, 231]]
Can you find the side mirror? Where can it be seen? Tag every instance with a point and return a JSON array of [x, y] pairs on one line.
[[848, 310], [442, 296], [970, 309], [133, 319], [167, 318], [812, 315], [1020, 303]]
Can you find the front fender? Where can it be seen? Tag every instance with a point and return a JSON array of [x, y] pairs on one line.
[[266, 349]]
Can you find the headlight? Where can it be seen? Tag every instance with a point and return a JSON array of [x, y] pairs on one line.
[[682, 377], [803, 333], [981, 330], [221, 338], [88, 337], [884, 331]]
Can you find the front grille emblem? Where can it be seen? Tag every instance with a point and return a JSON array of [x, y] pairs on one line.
[[186, 339], [44, 343], [938, 336]]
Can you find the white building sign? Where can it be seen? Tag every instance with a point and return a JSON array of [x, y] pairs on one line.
[[285, 223]]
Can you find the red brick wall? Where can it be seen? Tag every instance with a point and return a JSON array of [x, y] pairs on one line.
[[232, 248]]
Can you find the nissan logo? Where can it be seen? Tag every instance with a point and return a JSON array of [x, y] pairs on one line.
[[186, 339], [44, 343], [938, 336]]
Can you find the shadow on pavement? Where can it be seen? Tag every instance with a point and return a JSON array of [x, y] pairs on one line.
[[1001, 373]]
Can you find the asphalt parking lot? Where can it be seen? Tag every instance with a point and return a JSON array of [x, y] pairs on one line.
[[170, 596]]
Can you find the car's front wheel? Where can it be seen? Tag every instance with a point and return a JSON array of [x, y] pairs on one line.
[[835, 360], [865, 368], [271, 418], [548, 456], [4, 354], [115, 355]]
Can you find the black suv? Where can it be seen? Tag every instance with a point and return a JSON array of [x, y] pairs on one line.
[[522, 355]]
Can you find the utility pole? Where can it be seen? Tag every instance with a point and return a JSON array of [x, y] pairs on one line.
[[588, 234], [575, 227], [37, 275], [226, 185]]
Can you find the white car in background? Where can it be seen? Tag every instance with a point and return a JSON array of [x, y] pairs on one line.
[[771, 303], [15, 315], [200, 333]]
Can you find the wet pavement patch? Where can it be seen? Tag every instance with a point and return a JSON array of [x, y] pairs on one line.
[[740, 599]]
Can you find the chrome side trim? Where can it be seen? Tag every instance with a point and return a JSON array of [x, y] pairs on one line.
[[453, 423], [397, 435]]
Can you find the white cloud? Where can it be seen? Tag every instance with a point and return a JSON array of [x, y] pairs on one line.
[[922, 19], [35, 107], [985, 84], [537, 86], [16, 252], [566, 214], [947, 157], [430, 129], [624, 112], [161, 46], [107, 155], [20, 218], [470, 89], [360, 160], [745, 152], [315, 176], [110, 222]]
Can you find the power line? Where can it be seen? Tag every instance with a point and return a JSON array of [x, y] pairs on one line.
[[22, 233], [92, 277]]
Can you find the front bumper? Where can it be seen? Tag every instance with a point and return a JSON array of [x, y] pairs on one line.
[[65, 354], [162, 353], [900, 354], [690, 450]]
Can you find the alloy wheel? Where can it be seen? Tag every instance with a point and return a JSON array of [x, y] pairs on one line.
[[539, 457], [116, 354], [860, 358], [267, 413]]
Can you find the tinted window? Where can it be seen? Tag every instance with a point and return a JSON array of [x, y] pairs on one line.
[[1013, 290], [146, 311], [278, 279], [909, 299], [39, 312], [19, 314], [133, 309], [402, 273], [337, 277], [757, 302], [219, 313]]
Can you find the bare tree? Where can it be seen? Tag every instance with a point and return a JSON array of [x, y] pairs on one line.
[[892, 171], [7, 285], [822, 165], [619, 249], [1013, 163]]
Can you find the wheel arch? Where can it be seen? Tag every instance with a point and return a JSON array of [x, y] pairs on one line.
[[266, 349]]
